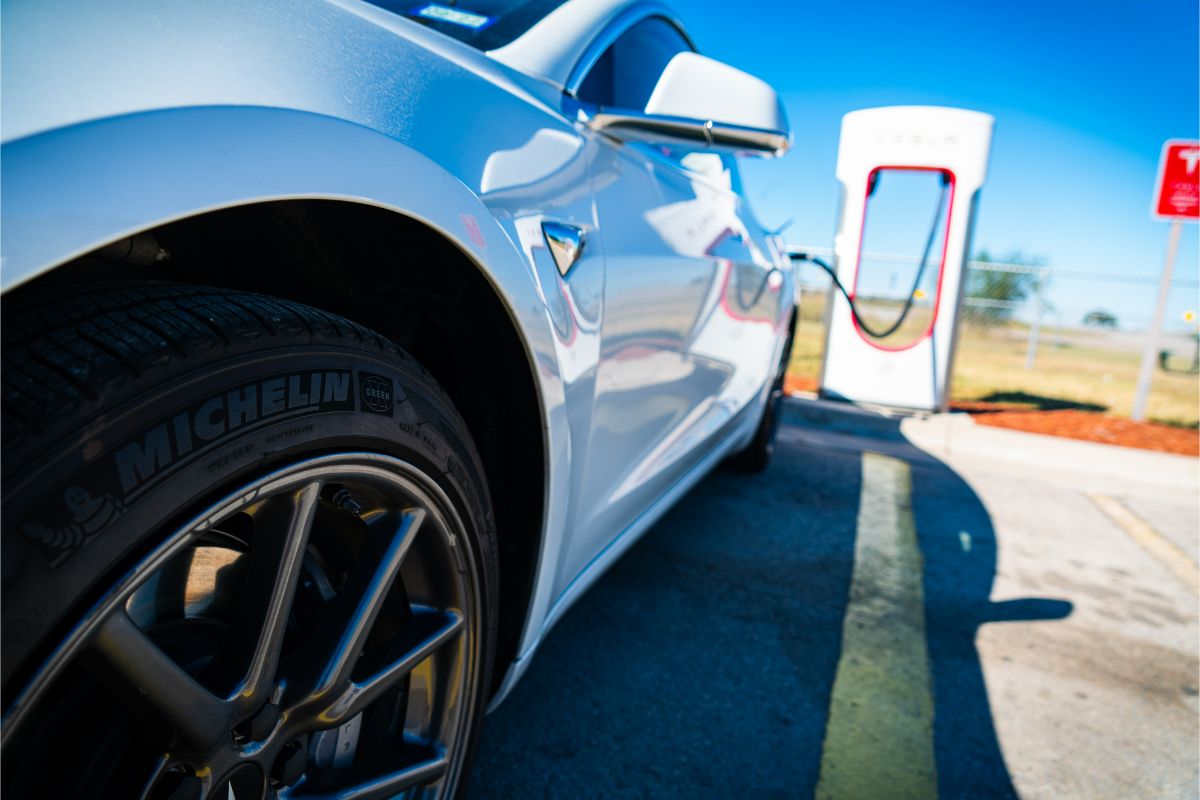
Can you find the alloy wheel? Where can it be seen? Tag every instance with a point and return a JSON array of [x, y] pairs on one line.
[[311, 634]]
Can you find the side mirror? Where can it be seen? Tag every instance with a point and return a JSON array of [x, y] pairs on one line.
[[701, 101]]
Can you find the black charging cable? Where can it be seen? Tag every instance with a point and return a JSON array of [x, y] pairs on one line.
[[799, 256]]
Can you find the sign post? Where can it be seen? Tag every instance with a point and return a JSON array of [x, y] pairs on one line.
[[1177, 200]]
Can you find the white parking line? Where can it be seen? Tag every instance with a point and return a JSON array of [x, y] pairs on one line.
[[879, 737]]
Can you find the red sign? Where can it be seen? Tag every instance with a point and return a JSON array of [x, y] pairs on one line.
[[1177, 193]]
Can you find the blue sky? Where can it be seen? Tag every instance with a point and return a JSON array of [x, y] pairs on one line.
[[1084, 94]]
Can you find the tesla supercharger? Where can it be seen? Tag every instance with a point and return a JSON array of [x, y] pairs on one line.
[[938, 157]]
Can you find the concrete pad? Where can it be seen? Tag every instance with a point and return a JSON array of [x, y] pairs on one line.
[[1103, 702], [1176, 517]]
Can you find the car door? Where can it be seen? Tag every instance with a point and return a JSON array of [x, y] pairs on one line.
[[689, 325]]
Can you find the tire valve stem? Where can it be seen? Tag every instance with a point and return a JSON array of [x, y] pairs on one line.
[[345, 501]]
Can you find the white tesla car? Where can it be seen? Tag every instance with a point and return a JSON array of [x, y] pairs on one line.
[[344, 345]]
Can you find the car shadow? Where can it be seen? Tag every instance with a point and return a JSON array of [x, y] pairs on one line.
[[704, 660]]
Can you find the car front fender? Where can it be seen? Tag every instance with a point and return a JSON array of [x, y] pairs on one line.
[[68, 191]]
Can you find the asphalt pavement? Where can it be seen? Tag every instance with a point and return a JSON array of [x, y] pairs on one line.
[[896, 608]]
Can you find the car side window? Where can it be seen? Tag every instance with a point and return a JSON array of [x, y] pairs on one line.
[[626, 74]]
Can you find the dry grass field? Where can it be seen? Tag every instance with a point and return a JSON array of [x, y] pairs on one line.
[[1083, 369]]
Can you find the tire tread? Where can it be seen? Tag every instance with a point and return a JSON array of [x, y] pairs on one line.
[[71, 351]]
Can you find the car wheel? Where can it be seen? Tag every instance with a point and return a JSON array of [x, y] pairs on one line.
[[248, 552], [756, 456]]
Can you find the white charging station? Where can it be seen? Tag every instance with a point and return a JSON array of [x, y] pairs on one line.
[[908, 368]]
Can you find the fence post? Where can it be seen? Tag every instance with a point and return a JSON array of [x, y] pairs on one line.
[[1146, 373], [1035, 329]]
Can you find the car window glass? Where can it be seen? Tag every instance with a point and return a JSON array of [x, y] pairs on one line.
[[735, 174], [713, 166], [483, 24], [626, 74]]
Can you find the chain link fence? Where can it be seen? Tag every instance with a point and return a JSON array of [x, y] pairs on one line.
[[1042, 337]]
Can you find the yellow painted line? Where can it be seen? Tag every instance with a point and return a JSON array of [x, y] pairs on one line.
[[879, 737], [1169, 554]]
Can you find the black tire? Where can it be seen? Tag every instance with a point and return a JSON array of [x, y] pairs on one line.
[[756, 456], [129, 409]]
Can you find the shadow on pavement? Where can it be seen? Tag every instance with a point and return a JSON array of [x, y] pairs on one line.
[[704, 660], [958, 543], [1037, 402]]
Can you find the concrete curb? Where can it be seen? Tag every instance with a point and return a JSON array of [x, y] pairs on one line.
[[957, 434]]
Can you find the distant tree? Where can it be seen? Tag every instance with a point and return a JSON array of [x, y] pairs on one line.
[[1099, 318], [1002, 286]]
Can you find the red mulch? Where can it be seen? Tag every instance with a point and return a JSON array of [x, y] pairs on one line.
[[796, 383], [1088, 425], [1070, 423], [986, 407]]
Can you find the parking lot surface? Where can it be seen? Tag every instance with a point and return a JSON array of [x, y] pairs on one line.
[[894, 609]]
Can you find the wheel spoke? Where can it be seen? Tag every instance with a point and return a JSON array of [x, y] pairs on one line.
[[390, 785], [422, 636], [155, 687], [329, 657], [277, 553]]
